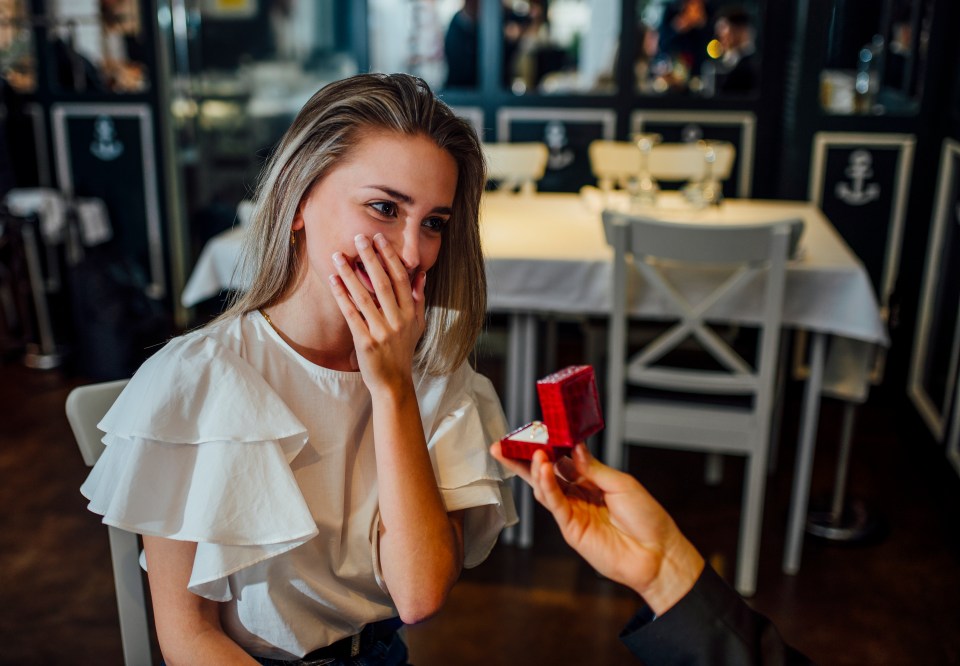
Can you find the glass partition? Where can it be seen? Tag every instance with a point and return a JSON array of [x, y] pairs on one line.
[[18, 60], [97, 45], [698, 47], [561, 46], [555, 47], [437, 41], [240, 72], [875, 57]]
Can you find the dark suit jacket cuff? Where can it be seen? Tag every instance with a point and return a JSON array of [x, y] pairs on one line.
[[677, 633]]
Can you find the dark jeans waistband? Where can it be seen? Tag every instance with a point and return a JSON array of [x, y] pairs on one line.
[[345, 648]]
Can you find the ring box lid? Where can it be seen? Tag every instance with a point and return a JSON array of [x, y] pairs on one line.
[[570, 405], [571, 413]]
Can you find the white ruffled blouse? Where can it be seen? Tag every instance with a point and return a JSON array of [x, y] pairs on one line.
[[229, 438]]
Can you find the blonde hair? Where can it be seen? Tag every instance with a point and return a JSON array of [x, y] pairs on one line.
[[329, 125]]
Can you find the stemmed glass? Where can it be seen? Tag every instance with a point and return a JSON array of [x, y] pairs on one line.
[[644, 189], [710, 189], [707, 189]]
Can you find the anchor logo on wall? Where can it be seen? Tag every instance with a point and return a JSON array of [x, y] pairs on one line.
[[105, 144], [560, 155], [858, 170]]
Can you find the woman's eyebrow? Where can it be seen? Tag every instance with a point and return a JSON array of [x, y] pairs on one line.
[[407, 199], [392, 193]]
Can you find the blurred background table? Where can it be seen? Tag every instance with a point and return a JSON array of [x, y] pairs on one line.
[[546, 254]]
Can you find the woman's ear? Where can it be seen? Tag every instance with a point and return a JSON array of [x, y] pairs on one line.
[[298, 221]]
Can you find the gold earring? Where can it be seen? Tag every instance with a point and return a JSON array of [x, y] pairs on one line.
[[293, 237]]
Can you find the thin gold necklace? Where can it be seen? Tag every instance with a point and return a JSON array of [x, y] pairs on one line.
[[269, 321]]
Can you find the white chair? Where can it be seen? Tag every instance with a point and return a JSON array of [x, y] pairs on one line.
[[687, 419], [616, 163], [516, 166], [85, 407]]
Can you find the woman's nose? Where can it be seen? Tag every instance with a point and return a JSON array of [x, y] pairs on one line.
[[409, 246]]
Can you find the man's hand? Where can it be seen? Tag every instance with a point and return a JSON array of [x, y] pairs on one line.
[[614, 523]]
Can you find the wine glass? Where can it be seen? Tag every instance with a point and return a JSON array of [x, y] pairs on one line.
[[706, 190], [644, 190], [711, 193]]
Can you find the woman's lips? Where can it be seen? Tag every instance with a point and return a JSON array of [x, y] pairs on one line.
[[361, 271]]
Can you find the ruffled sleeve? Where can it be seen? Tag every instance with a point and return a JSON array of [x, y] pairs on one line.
[[468, 418], [199, 449]]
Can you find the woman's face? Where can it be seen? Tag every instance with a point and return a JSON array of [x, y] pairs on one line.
[[397, 185]]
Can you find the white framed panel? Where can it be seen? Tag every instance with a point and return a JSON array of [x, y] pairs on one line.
[[934, 343], [861, 182], [107, 151], [874, 182], [567, 133], [691, 126]]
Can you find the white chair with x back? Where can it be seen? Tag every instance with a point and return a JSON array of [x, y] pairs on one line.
[[616, 163], [717, 399]]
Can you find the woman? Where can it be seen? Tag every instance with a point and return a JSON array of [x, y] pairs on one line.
[[312, 466]]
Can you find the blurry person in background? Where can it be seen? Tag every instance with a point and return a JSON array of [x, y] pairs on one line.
[[123, 66], [524, 33], [652, 68], [641, 66], [684, 35], [460, 47], [738, 68]]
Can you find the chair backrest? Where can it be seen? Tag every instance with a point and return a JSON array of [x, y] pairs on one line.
[[615, 163], [735, 256], [85, 407], [516, 166]]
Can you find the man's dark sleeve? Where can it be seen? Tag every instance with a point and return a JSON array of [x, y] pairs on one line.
[[710, 625]]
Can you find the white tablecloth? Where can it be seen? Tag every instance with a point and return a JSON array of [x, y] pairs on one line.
[[216, 268], [547, 253]]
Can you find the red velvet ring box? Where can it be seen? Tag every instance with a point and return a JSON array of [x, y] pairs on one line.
[[571, 413]]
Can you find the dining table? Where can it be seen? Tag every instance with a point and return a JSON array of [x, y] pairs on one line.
[[547, 256]]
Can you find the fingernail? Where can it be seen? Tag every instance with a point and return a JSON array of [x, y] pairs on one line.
[[333, 279], [362, 242], [381, 240], [339, 259]]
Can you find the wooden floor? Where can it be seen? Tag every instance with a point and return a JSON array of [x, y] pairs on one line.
[[894, 600]]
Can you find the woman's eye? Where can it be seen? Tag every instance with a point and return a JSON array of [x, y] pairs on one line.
[[387, 208], [435, 223]]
